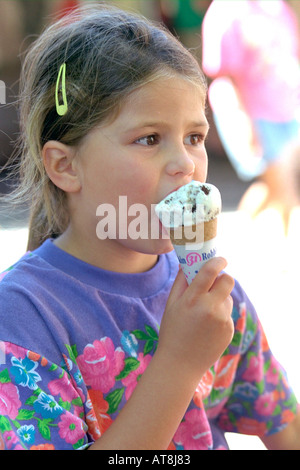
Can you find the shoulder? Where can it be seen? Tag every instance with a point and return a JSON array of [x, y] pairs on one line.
[[14, 281], [22, 280], [24, 317]]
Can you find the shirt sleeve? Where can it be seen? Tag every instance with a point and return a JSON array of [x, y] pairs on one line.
[[222, 51], [41, 408], [260, 402]]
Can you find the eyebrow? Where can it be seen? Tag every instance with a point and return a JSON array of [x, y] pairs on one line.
[[162, 123], [200, 124]]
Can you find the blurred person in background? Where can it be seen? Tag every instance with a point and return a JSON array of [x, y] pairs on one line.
[[251, 51]]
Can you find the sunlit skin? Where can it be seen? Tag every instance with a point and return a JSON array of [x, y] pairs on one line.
[[155, 145]]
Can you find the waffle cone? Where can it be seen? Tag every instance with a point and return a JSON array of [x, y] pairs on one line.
[[197, 233]]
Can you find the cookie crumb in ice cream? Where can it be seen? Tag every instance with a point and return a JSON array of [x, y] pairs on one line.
[[205, 189]]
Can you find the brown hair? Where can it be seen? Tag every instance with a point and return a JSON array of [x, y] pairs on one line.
[[108, 53]]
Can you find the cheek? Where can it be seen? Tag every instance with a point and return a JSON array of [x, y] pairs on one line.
[[201, 168], [131, 176], [138, 182]]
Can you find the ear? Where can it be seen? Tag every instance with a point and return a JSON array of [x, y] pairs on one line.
[[60, 166]]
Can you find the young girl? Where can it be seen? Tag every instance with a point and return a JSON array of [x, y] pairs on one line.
[[104, 346]]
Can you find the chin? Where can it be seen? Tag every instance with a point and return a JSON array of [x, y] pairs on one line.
[[150, 246], [160, 247]]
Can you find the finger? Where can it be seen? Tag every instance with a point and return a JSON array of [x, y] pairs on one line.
[[222, 286], [208, 274]]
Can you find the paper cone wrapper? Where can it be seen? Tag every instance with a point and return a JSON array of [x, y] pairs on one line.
[[194, 251]]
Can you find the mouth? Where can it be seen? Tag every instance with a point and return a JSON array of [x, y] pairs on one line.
[[173, 191]]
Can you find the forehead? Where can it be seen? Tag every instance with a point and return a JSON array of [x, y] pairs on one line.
[[165, 95]]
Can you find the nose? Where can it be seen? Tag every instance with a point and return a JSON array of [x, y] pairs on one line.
[[180, 162]]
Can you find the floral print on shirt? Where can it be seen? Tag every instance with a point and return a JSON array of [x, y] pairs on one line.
[[68, 406]]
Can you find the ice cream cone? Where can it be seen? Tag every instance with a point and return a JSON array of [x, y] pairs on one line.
[[197, 233], [194, 243], [193, 253]]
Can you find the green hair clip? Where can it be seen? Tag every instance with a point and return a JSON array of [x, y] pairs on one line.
[[61, 87]]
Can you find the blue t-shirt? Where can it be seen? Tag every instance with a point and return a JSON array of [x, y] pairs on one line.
[[75, 339]]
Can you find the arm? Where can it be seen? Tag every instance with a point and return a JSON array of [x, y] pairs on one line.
[[195, 330], [157, 399], [243, 147], [287, 439]]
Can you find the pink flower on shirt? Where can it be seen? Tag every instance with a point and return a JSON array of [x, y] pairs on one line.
[[70, 428], [17, 351], [63, 387], [100, 363], [272, 373], [9, 400], [255, 372], [10, 439], [265, 404], [194, 432], [131, 380]]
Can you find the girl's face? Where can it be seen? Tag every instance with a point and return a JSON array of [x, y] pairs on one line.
[[155, 145]]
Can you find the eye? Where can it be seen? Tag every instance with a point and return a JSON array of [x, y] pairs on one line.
[[194, 139], [148, 140]]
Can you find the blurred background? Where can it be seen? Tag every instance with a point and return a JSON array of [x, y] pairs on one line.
[[249, 51]]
